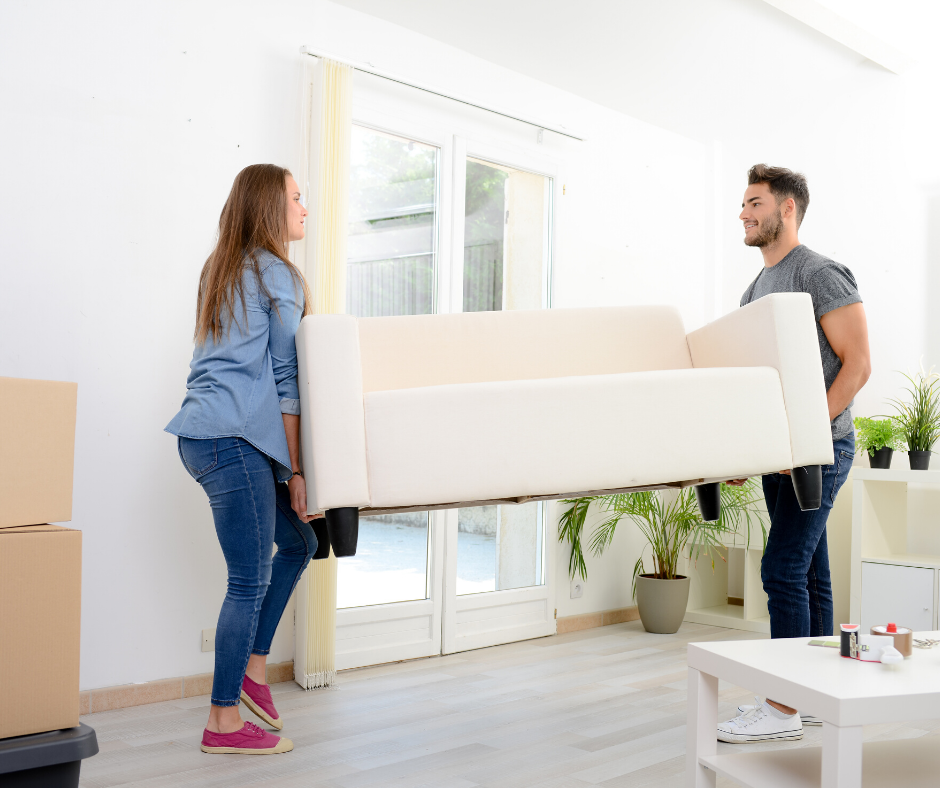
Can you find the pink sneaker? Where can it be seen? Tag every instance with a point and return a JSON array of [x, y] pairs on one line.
[[249, 740], [257, 697]]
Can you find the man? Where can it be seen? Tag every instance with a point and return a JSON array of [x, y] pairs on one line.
[[795, 567]]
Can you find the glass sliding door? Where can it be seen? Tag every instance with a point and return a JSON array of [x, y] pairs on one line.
[[506, 240], [392, 252], [425, 583], [387, 605], [499, 589]]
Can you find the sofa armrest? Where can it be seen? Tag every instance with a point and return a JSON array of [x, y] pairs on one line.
[[332, 420], [777, 331]]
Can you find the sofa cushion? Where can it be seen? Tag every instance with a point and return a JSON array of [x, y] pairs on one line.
[[480, 441], [474, 347]]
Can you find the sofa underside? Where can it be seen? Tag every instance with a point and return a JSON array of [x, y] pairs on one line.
[[369, 510]]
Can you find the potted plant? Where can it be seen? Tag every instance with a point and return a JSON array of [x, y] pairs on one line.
[[673, 528], [919, 419], [880, 438]]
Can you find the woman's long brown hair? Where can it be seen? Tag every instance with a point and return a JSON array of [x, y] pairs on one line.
[[254, 219]]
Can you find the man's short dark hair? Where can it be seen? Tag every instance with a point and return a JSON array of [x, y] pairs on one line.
[[783, 183]]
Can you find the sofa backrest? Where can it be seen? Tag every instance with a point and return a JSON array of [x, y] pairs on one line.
[[472, 347]]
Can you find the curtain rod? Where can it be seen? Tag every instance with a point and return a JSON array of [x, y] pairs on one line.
[[367, 68]]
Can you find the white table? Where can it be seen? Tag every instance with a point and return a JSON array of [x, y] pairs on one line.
[[845, 694]]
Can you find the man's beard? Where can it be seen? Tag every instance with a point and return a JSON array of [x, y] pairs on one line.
[[768, 234]]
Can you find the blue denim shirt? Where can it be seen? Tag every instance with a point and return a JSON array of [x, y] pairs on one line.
[[240, 386]]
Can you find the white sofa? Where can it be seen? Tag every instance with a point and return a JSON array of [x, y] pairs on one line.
[[438, 411]]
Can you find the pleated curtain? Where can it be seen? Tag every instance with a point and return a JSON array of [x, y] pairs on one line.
[[324, 261]]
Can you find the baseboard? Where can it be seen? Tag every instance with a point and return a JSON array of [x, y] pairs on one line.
[[124, 695], [602, 618]]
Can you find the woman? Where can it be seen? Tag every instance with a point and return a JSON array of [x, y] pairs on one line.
[[239, 435]]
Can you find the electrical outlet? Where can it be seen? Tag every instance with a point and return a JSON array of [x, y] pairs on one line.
[[208, 639], [577, 588]]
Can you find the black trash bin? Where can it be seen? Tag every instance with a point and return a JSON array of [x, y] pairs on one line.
[[46, 760]]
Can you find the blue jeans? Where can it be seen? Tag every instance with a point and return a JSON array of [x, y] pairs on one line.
[[795, 567], [252, 513]]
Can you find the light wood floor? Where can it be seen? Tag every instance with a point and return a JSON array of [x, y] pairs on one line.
[[604, 706]]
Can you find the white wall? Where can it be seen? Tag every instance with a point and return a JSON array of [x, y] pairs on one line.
[[124, 124], [758, 85], [866, 139], [868, 210]]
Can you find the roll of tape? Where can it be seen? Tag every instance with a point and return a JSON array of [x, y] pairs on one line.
[[903, 638]]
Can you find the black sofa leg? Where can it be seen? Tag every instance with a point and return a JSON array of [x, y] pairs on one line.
[[709, 501], [323, 539], [343, 527], [807, 484]]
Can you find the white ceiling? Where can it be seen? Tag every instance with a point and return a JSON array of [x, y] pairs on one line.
[[686, 65]]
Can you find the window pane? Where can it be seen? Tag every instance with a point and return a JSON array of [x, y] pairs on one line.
[[506, 237], [476, 550], [507, 225], [392, 251], [499, 547], [484, 225], [390, 564], [392, 242]]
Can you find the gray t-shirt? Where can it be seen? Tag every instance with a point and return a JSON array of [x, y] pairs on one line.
[[830, 285]]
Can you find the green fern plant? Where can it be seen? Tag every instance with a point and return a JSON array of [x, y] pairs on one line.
[[672, 529], [875, 434]]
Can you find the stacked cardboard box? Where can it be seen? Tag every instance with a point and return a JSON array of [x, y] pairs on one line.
[[40, 564]]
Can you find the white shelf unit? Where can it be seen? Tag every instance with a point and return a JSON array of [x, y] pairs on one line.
[[895, 561], [708, 592]]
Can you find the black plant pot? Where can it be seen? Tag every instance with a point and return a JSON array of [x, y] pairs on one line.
[[881, 458], [323, 539], [920, 460], [343, 526]]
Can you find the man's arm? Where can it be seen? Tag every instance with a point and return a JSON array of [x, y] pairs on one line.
[[847, 331]]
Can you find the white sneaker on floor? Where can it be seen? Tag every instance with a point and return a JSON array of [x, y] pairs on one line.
[[806, 719], [760, 724]]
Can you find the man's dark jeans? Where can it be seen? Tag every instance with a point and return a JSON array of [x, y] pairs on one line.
[[795, 567]]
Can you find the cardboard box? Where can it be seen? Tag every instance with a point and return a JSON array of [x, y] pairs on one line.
[[37, 450], [40, 617]]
